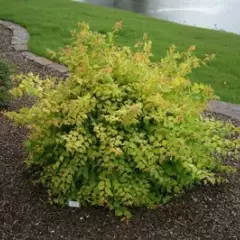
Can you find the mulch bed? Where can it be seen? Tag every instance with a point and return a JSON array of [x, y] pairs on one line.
[[205, 212]]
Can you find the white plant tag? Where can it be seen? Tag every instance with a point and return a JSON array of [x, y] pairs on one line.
[[73, 204]]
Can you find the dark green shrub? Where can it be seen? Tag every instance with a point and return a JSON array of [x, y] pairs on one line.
[[121, 131], [5, 83]]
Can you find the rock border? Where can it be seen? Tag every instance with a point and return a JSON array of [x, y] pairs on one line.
[[20, 40], [228, 109]]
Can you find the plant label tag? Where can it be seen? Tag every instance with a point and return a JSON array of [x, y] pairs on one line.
[[73, 204]]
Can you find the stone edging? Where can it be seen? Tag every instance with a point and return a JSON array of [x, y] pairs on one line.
[[20, 43], [228, 109]]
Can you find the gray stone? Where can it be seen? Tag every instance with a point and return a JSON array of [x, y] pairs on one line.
[[58, 67], [7, 24], [228, 109], [40, 60], [16, 41], [20, 47], [20, 35], [29, 55]]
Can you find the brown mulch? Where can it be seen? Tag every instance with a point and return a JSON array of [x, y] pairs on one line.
[[202, 213]]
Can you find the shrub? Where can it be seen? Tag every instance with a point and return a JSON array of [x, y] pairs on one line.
[[5, 83], [121, 131]]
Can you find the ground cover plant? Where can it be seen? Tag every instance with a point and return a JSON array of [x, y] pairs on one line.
[[50, 22], [5, 83], [122, 131]]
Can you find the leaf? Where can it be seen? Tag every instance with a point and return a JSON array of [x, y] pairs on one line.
[[119, 212], [166, 199], [32, 91], [101, 186], [176, 189], [127, 214], [108, 192], [86, 172], [69, 178]]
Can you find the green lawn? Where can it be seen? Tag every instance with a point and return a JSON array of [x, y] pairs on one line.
[[50, 21]]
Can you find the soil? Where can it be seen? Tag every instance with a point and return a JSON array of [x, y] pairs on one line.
[[205, 212]]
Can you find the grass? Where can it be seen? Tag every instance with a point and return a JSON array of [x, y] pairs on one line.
[[49, 22]]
